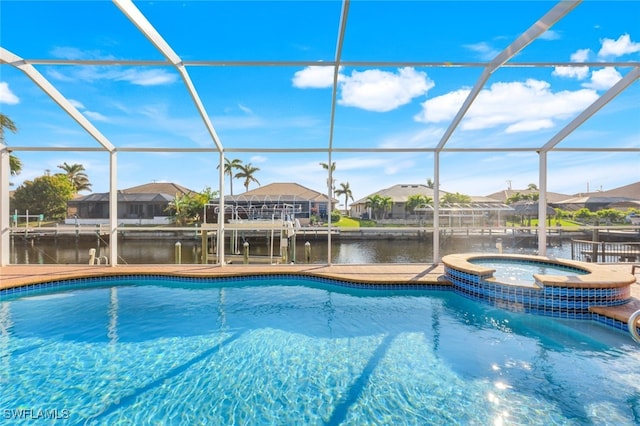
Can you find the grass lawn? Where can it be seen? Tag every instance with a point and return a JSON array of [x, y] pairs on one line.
[[347, 222], [562, 222]]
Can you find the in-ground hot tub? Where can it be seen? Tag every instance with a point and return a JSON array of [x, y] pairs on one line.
[[554, 287]]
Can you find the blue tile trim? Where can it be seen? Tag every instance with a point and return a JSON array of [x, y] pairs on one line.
[[94, 282], [559, 302], [554, 301]]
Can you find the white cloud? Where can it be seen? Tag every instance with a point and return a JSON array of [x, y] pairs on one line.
[[580, 55], [550, 35], [245, 109], [136, 76], [371, 90], [603, 79], [579, 73], [95, 116], [72, 53], [382, 91], [76, 104], [520, 106], [529, 126], [258, 159], [152, 77], [622, 46], [57, 75], [428, 136], [6, 95], [485, 51], [313, 78]]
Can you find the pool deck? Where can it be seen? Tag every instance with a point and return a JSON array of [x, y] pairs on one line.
[[424, 274]]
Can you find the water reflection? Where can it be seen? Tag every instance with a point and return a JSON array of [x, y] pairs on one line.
[[162, 251]]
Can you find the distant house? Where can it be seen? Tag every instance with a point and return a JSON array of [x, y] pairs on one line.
[[478, 211], [272, 201], [622, 198], [143, 204], [504, 195], [399, 195]]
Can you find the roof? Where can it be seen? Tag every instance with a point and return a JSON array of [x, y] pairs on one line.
[[123, 198], [401, 192], [150, 192], [282, 191], [504, 195], [630, 191], [594, 203], [159, 188]]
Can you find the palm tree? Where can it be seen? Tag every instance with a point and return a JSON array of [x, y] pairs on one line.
[[417, 200], [246, 172], [330, 184], [229, 167], [451, 198], [379, 204], [77, 176], [15, 165], [346, 191]]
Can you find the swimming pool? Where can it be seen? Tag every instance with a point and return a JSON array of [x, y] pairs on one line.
[[284, 350]]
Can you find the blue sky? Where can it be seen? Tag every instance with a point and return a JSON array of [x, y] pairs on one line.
[[261, 107]]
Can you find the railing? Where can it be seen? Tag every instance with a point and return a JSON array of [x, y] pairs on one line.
[[605, 252]]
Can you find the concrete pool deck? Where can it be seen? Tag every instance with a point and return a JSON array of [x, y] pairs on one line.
[[424, 274]]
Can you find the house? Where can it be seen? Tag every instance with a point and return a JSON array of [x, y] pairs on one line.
[[272, 201], [623, 198], [399, 194], [478, 211], [143, 205], [506, 194]]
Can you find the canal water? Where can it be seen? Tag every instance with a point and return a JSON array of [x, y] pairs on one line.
[[163, 251]]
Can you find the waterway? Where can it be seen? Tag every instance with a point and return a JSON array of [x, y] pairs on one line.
[[163, 251]]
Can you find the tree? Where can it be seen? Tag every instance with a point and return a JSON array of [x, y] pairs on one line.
[[77, 176], [229, 167], [15, 165], [452, 198], [379, 205], [585, 215], [246, 172], [47, 195], [430, 183], [185, 208], [331, 184], [532, 196], [417, 200], [346, 191]]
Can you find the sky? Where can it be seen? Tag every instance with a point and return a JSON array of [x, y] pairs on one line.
[[384, 100]]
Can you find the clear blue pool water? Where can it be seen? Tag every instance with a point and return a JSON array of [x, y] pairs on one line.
[[519, 272], [265, 352]]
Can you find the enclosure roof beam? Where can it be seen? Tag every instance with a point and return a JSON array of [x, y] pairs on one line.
[[543, 24], [9, 58], [614, 91], [144, 26]]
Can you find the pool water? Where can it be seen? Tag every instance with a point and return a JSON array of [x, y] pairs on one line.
[[520, 272], [296, 351]]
